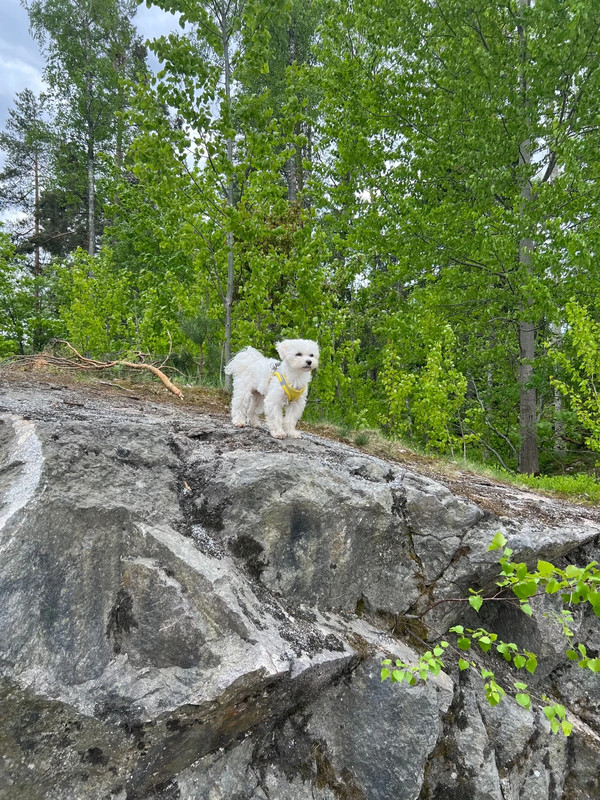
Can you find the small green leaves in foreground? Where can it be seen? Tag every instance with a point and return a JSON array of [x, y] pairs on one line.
[[575, 584], [486, 641], [430, 663], [555, 714], [493, 691]]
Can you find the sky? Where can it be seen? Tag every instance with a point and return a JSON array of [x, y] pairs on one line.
[[22, 64]]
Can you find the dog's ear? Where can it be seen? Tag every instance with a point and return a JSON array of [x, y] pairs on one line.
[[283, 348]]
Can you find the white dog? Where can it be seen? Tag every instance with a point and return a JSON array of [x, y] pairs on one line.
[[261, 382]]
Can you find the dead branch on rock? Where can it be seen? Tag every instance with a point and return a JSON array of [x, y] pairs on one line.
[[80, 362], [93, 364]]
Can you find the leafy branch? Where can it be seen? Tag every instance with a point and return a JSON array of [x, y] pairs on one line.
[[576, 585]]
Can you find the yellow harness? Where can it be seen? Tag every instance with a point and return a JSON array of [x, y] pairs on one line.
[[292, 394]]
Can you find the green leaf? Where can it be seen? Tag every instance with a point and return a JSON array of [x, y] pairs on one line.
[[523, 700], [527, 609], [566, 727], [573, 572], [521, 571], [398, 675], [475, 601], [519, 661], [462, 664], [463, 643], [497, 542], [545, 568], [385, 674], [531, 664], [594, 600], [525, 589], [504, 650]]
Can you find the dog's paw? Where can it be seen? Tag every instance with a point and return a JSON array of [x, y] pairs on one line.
[[278, 434], [294, 434], [240, 424]]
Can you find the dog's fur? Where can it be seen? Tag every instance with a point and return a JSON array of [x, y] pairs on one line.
[[255, 388]]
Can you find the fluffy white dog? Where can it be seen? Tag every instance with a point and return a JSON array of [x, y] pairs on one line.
[[261, 383]]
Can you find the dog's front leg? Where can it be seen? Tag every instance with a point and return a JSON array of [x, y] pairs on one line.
[[292, 414], [274, 413]]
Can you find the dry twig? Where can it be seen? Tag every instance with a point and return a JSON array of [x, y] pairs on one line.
[[82, 363]]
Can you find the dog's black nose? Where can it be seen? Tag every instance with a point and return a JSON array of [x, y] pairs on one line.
[[308, 361]]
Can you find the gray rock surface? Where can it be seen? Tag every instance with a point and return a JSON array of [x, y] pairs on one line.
[[189, 610]]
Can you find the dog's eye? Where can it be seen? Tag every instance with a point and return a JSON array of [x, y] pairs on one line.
[[311, 356], [299, 355]]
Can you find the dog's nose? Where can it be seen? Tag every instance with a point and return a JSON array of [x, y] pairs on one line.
[[308, 361]]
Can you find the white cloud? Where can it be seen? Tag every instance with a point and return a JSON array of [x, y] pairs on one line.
[[153, 22], [21, 63], [18, 75]]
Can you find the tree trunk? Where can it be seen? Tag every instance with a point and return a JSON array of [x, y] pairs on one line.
[[90, 151], [230, 187], [36, 218], [291, 178], [291, 169], [528, 455], [91, 201], [37, 264]]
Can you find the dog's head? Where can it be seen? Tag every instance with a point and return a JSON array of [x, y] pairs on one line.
[[301, 355]]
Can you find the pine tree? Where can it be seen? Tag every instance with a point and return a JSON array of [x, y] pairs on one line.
[[26, 146], [90, 48]]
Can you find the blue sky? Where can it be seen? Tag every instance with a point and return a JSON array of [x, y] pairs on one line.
[[22, 64]]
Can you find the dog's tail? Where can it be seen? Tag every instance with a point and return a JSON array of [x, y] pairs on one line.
[[245, 360]]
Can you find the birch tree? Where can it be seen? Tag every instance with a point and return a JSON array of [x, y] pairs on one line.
[[448, 120], [229, 151]]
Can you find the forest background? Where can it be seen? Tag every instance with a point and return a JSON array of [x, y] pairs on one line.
[[412, 183]]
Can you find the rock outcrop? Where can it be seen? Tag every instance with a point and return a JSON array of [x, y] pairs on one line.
[[188, 610]]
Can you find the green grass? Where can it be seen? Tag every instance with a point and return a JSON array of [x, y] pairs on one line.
[[581, 486]]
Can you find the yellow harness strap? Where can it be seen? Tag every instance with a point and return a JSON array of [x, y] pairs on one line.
[[292, 394]]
